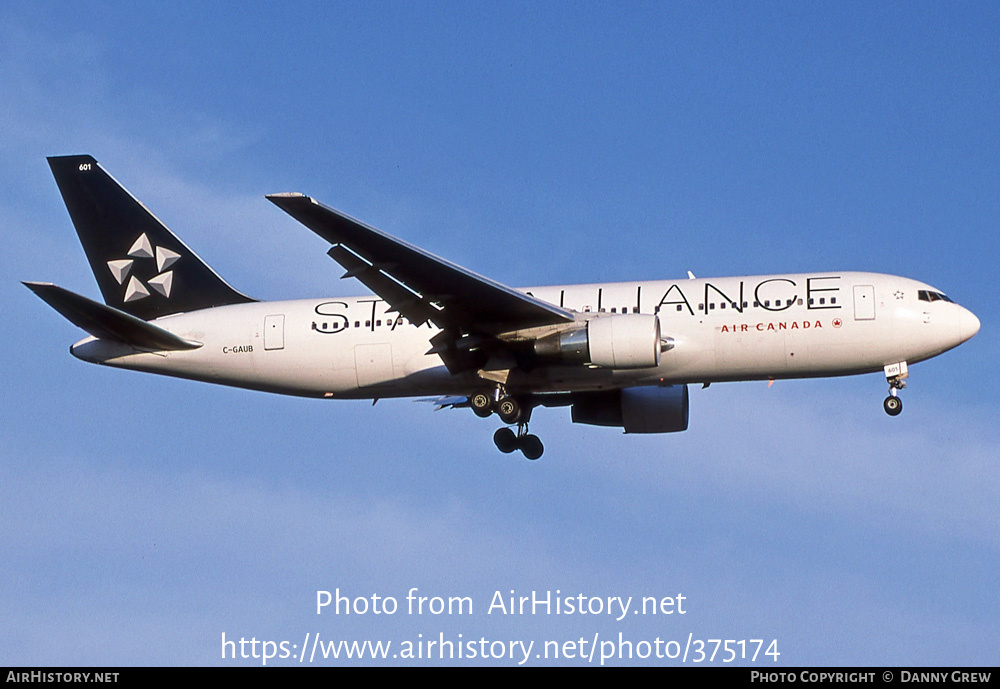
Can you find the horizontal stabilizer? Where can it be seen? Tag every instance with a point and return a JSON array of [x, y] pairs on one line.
[[108, 323]]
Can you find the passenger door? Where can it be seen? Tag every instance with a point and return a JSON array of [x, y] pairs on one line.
[[864, 302]]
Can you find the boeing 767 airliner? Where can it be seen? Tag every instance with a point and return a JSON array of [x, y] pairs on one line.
[[618, 354]]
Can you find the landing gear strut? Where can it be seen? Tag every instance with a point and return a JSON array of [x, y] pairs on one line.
[[895, 375]]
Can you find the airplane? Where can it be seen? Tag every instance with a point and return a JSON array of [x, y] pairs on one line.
[[618, 354]]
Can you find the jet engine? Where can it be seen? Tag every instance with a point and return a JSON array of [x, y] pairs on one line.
[[637, 410], [628, 340]]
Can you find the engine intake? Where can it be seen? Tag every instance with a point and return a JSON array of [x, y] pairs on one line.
[[628, 340]]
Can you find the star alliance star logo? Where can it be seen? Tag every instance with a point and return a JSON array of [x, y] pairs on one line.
[[142, 249]]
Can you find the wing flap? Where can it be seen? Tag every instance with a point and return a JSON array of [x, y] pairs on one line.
[[106, 322], [411, 305]]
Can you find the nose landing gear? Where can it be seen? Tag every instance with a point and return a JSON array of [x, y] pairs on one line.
[[895, 375]]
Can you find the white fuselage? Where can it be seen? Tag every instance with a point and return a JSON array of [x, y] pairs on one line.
[[724, 329]]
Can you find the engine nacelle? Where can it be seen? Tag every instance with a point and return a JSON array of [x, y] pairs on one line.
[[637, 410], [628, 340]]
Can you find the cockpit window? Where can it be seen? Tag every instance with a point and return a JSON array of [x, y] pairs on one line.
[[928, 295]]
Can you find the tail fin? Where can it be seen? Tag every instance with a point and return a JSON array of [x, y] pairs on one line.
[[141, 267]]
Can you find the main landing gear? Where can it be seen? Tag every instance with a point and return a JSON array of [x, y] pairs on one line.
[[895, 375], [529, 445], [511, 411], [508, 408]]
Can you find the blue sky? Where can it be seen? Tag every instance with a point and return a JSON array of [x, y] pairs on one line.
[[142, 517]]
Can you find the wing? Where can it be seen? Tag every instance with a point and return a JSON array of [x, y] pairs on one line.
[[418, 284]]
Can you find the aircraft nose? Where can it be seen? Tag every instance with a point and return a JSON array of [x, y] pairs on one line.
[[968, 324]]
